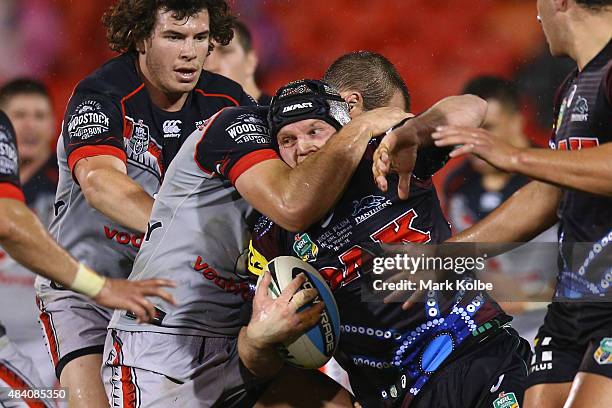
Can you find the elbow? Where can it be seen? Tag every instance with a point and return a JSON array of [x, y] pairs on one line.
[[294, 218], [7, 228], [11, 217], [92, 187], [479, 107]]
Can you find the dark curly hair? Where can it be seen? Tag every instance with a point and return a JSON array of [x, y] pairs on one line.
[[128, 22]]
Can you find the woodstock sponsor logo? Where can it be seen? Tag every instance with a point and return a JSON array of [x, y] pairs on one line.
[[246, 132]]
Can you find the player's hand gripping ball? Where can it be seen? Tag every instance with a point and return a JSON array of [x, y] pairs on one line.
[[315, 347]]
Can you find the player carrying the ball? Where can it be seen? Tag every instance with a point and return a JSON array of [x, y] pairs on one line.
[[198, 235], [393, 357]]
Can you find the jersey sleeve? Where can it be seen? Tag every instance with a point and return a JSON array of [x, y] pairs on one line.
[[10, 186], [232, 142], [429, 160], [266, 244], [93, 126]]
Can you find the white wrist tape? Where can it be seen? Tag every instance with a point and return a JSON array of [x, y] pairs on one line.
[[87, 282]]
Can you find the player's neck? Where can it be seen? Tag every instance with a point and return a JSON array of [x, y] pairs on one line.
[[251, 88], [589, 36], [164, 101]]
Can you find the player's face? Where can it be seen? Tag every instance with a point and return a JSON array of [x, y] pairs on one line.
[[300, 139], [231, 61], [32, 117], [175, 53]]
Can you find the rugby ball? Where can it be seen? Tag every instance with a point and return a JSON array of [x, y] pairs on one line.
[[315, 347]]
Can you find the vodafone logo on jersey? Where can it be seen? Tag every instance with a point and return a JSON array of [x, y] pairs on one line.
[[124, 238], [172, 128], [228, 285]]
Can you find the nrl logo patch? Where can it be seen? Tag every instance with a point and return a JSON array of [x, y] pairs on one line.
[[603, 354], [506, 401], [305, 249], [139, 141]]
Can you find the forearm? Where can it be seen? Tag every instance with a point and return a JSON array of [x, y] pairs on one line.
[[527, 213], [119, 198], [264, 362], [462, 110], [29, 243], [586, 170]]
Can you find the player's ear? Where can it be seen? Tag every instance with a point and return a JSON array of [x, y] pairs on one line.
[[141, 46], [561, 5], [354, 100]]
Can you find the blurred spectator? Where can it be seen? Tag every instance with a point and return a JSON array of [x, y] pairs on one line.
[[476, 188], [27, 103], [26, 47], [238, 61]]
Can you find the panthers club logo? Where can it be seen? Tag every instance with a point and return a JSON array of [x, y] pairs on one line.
[[138, 142]]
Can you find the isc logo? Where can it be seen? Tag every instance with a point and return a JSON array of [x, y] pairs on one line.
[[297, 106], [124, 238]]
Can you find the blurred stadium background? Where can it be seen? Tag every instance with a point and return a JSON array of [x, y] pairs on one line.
[[436, 45]]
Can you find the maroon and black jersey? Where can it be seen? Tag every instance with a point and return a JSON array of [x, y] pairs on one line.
[[584, 120], [388, 353]]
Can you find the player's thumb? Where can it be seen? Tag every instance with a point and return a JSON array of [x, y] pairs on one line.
[[403, 186]]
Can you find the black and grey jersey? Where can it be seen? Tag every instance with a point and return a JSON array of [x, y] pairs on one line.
[[111, 113], [198, 233]]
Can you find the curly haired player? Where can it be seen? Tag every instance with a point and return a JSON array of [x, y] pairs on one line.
[[123, 125]]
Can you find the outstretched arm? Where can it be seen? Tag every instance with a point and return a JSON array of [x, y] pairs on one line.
[[586, 169], [107, 188], [26, 240], [397, 151], [528, 212]]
